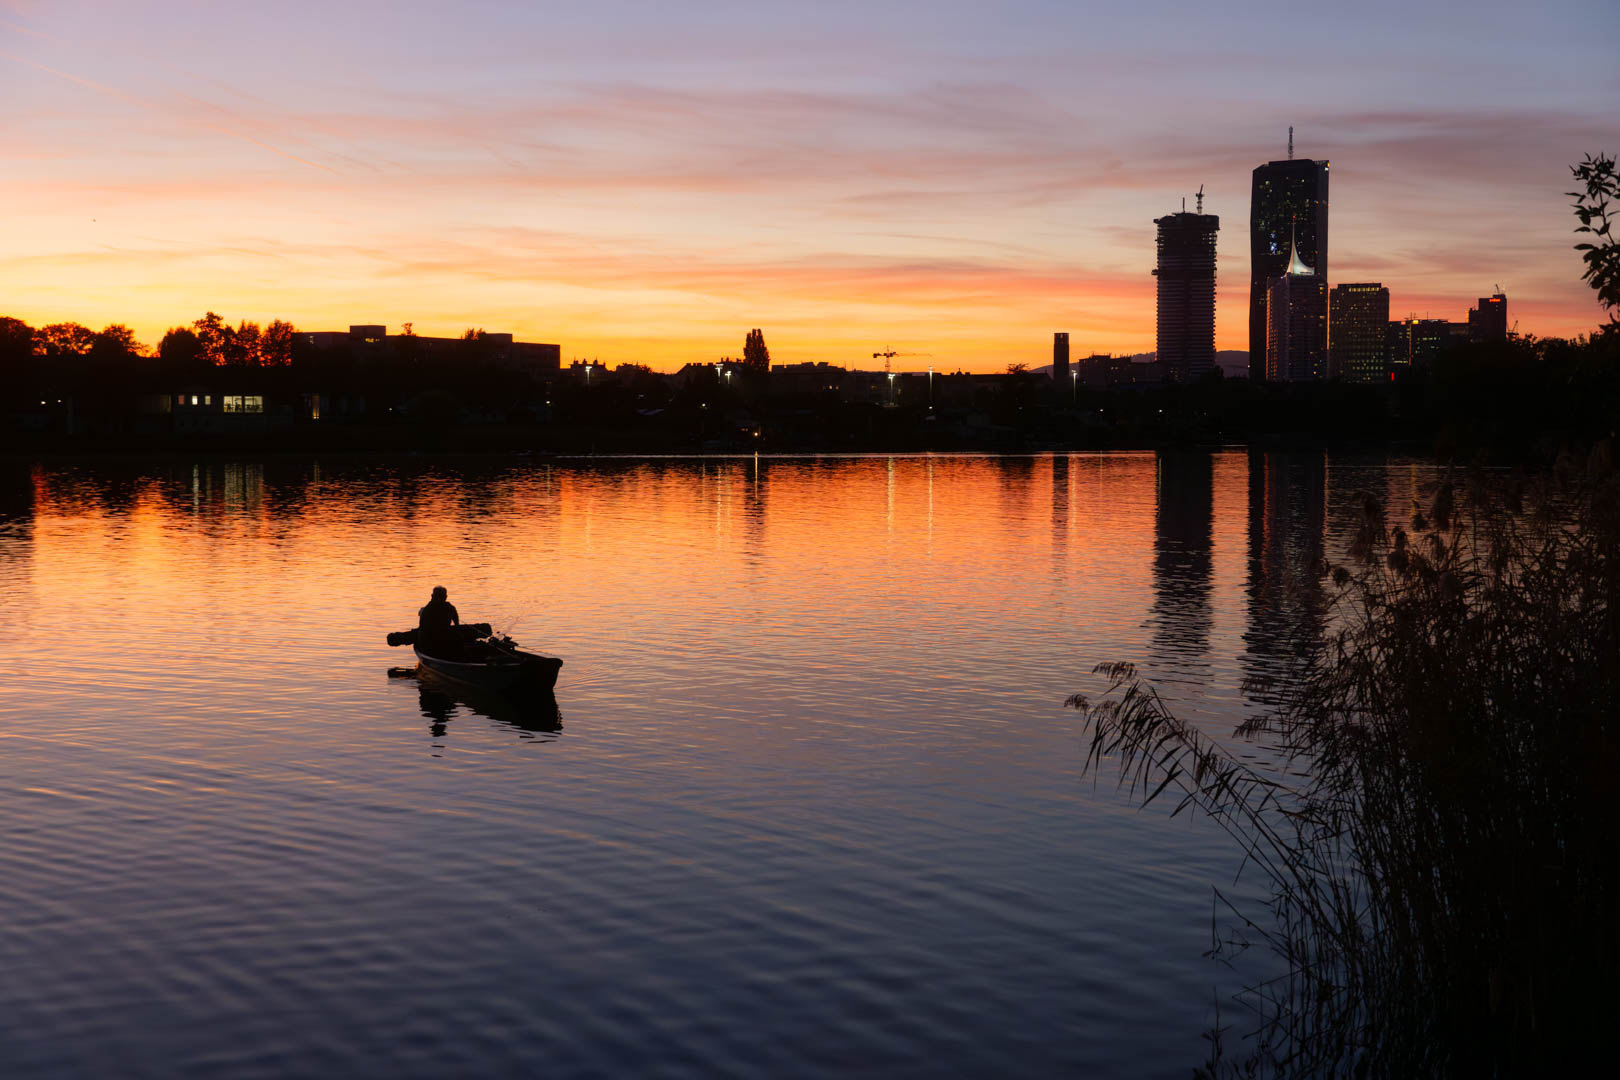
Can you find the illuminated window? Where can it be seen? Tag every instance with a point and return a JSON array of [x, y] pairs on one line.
[[243, 403]]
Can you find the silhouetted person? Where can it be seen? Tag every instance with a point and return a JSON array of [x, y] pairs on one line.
[[433, 626]]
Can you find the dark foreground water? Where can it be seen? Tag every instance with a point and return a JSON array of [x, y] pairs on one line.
[[812, 806]]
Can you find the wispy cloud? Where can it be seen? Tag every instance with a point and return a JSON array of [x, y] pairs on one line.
[[157, 107], [957, 188]]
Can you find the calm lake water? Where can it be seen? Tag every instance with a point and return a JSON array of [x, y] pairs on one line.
[[814, 806]]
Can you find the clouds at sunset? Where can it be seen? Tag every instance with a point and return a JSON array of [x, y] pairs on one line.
[[642, 184]]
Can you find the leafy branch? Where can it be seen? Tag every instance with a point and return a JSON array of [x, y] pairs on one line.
[[1593, 209]]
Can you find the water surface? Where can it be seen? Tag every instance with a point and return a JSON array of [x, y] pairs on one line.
[[813, 805]]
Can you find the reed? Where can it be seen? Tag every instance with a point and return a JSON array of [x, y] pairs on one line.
[[1441, 849]]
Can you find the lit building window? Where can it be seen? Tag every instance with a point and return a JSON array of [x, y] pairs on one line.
[[243, 403]]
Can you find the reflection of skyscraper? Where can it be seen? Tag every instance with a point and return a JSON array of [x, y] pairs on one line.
[[1289, 201], [1296, 323], [1186, 293], [1287, 519], [1183, 560], [1060, 507]]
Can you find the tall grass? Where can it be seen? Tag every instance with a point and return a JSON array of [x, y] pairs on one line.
[[1443, 849]]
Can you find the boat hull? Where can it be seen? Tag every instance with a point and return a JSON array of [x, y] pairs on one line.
[[514, 671]]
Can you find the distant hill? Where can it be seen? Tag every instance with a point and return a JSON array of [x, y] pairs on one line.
[[1234, 363]]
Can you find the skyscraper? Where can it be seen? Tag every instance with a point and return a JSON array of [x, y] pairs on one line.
[[1488, 321], [1060, 360], [1289, 199], [1296, 323], [1357, 326], [1186, 273]]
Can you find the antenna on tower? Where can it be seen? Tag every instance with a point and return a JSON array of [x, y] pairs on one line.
[[1200, 197], [1184, 204], [1290, 142]]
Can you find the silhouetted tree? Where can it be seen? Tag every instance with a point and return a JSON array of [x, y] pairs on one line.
[[181, 350], [1592, 207], [214, 338], [755, 355], [242, 347], [113, 351], [276, 344], [16, 347], [65, 343]]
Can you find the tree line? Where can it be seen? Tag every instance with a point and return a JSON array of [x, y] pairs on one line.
[[208, 342]]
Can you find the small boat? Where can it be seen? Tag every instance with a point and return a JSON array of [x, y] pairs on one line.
[[486, 661]]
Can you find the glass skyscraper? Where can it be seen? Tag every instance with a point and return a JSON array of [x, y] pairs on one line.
[[1288, 203], [1296, 323]]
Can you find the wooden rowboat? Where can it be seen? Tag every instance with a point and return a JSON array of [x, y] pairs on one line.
[[486, 661]]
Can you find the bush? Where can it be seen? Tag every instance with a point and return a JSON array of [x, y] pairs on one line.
[[1444, 883]]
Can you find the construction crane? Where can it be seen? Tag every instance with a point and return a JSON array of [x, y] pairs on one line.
[[888, 369], [889, 354]]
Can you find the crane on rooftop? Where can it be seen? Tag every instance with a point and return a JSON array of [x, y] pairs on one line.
[[888, 370], [889, 354]]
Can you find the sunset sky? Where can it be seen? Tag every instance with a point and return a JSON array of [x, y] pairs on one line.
[[645, 181]]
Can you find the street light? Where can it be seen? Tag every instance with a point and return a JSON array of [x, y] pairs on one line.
[[1074, 377]]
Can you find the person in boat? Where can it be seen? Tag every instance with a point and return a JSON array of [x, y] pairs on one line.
[[433, 626]]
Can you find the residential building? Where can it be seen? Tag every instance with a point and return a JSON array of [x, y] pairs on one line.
[[1186, 294]]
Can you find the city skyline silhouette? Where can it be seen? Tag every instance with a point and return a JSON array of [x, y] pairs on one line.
[[635, 184]]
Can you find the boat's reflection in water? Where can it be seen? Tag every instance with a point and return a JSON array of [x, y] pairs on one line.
[[534, 714]]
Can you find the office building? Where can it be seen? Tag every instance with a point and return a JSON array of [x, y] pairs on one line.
[[1431, 337], [1060, 360], [1186, 293], [1296, 323], [1358, 321], [374, 342], [1288, 202], [1398, 346], [1488, 321]]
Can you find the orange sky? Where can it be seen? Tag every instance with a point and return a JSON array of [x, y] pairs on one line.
[[641, 185]]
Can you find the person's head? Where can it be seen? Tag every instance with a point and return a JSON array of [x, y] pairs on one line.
[[440, 593]]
